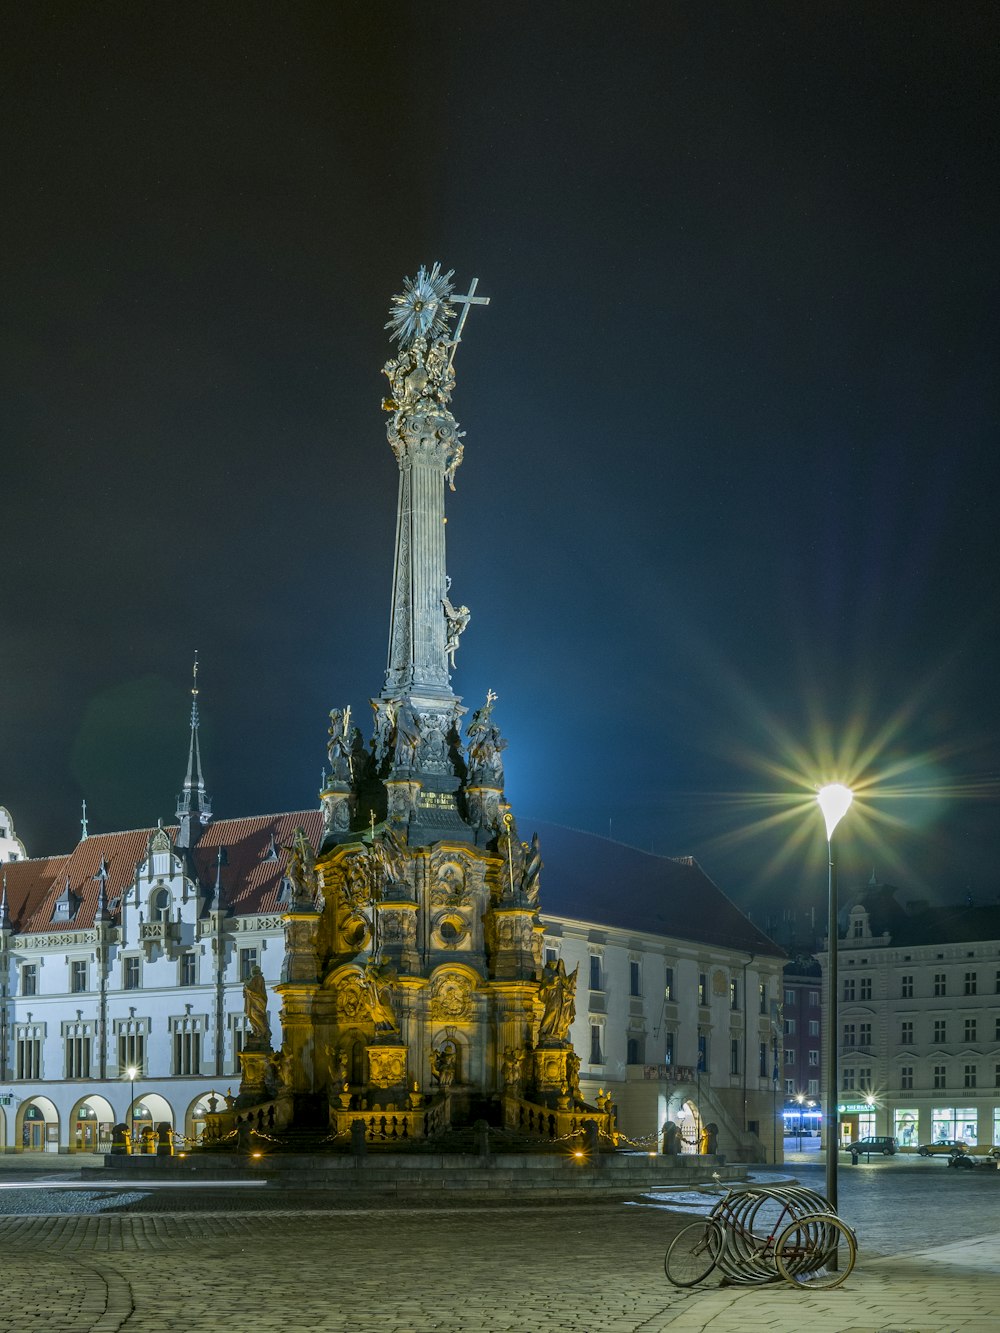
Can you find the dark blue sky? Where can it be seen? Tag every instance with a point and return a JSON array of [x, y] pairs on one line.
[[729, 484]]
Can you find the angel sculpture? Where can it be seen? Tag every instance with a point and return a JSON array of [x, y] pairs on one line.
[[456, 620]]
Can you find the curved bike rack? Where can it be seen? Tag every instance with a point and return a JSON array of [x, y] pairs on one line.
[[763, 1234]]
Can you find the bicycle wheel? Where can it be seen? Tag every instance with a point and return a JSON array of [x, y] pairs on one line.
[[816, 1251], [693, 1252]]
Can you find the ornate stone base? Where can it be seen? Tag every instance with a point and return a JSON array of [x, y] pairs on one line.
[[549, 1068], [253, 1084], [387, 1065]]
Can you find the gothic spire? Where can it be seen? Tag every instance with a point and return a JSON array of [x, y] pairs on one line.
[[194, 808], [4, 909]]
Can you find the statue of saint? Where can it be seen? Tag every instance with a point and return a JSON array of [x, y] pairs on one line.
[[443, 1066], [407, 735], [301, 871], [255, 1006], [339, 745], [378, 997], [456, 618], [557, 992], [532, 871]]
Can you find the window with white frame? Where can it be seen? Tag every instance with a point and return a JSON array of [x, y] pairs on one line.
[[634, 980], [971, 982], [596, 979], [906, 987], [596, 1048], [131, 1034], [28, 1039], [78, 1041], [248, 961], [29, 979], [187, 1034], [906, 1078], [78, 976]]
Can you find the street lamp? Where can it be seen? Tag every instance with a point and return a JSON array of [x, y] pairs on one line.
[[131, 1071], [834, 801], [800, 1099]]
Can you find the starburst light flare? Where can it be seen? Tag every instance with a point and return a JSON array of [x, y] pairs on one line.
[[834, 801], [422, 309]]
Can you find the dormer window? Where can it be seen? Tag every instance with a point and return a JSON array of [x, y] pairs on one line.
[[159, 905], [66, 905]]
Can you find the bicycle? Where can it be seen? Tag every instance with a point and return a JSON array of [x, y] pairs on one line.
[[757, 1235]]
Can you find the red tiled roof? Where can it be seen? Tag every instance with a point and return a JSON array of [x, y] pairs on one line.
[[251, 882], [27, 884]]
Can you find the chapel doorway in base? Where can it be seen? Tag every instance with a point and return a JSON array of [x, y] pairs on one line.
[[90, 1125], [688, 1118], [37, 1126], [146, 1112], [194, 1116]]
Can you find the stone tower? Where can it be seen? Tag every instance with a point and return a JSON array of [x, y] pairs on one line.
[[414, 995]]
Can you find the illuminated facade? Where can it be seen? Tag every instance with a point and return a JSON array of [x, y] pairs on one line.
[[919, 1020]]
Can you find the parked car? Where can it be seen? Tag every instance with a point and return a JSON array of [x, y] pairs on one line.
[[943, 1147], [875, 1143]]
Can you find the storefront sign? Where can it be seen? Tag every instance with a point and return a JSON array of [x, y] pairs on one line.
[[669, 1073]]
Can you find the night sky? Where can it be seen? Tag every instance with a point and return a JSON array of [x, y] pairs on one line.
[[727, 516]]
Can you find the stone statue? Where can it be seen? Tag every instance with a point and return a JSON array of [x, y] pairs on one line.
[[457, 618], [375, 983], [301, 870], [443, 1066], [573, 1074], [388, 855], [511, 1070], [407, 735], [255, 1006], [383, 724], [485, 745], [532, 871], [557, 991], [339, 745]]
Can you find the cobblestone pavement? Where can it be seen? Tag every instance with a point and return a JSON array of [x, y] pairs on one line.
[[217, 1262], [590, 1269]]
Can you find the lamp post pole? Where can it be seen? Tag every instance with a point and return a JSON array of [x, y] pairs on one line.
[[834, 801], [132, 1071]]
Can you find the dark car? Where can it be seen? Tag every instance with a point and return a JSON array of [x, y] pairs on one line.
[[881, 1143]]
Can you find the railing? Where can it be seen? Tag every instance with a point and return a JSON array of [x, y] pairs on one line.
[[386, 1127], [545, 1122]]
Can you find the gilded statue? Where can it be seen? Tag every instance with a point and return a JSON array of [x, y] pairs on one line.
[[557, 991], [255, 1006], [376, 981]]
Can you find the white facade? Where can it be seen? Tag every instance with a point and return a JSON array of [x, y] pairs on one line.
[[675, 1029], [918, 1025], [11, 846]]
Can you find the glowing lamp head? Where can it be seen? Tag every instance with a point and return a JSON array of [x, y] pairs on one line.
[[132, 1071], [835, 801]]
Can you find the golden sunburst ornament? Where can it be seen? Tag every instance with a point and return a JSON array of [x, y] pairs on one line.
[[422, 309]]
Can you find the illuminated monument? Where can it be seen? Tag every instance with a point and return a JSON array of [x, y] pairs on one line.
[[413, 994]]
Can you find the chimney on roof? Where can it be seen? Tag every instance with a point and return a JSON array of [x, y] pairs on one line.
[[194, 808]]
